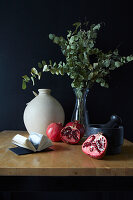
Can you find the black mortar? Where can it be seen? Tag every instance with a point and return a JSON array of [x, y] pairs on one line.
[[114, 137], [113, 131]]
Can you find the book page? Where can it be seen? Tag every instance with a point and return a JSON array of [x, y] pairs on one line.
[[39, 141], [24, 142], [35, 139], [45, 143]]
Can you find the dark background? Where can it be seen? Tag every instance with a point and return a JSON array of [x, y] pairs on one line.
[[24, 29]]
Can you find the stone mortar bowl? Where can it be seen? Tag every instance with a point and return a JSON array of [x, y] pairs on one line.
[[115, 137]]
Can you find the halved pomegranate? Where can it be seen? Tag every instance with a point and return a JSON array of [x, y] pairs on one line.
[[95, 146], [70, 135], [79, 126]]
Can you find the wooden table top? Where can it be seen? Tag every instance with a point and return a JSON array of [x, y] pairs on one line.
[[65, 160]]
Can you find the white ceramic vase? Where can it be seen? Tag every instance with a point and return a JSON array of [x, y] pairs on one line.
[[41, 111]]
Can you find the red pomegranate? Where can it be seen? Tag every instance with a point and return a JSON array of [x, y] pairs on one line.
[[53, 131], [79, 126], [95, 146], [70, 135]]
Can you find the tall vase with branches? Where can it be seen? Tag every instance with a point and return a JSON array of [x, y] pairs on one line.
[[84, 63]]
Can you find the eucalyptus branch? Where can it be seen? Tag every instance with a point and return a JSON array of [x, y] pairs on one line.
[[85, 64]]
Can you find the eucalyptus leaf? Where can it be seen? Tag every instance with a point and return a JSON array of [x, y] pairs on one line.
[[90, 76], [57, 72], [129, 58], [23, 84], [103, 84], [39, 75], [26, 78], [69, 34], [73, 46], [50, 62], [33, 82], [71, 39], [98, 80], [43, 63], [107, 63], [118, 64], [34, 71], [40, 65], [116, 52], [33, 75], [56, 40], [61, 71], [51, 36], [95, 65], [97, 27]]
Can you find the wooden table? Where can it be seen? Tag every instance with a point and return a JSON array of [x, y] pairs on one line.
[[64, 163]]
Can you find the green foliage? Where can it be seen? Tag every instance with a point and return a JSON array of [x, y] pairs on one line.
[[85, 64]]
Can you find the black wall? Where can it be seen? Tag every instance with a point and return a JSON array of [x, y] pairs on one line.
[[24, 29]]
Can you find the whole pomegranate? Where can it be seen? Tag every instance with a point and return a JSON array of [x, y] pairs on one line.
[[53, 131], [95, 146], [72, 132], [79, 126]]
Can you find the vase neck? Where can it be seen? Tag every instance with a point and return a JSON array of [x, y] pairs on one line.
[[81, 94], [44, 91]]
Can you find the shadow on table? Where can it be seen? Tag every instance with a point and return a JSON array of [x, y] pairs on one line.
[[126, 154]]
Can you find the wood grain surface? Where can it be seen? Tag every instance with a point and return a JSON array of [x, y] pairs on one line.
[[65, 160]]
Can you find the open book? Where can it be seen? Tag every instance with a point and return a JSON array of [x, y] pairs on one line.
[[35, 142]]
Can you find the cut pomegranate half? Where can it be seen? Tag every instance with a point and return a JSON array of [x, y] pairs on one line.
[[70, 135], [95, 146], [78, 125]]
